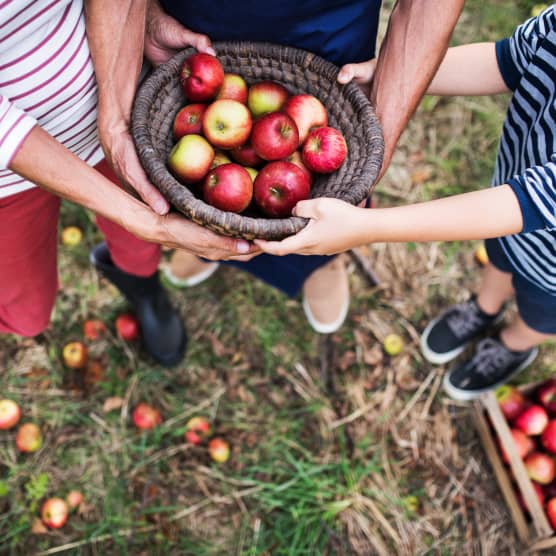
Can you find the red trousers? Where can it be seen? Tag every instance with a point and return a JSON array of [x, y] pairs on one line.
[[28, 256]]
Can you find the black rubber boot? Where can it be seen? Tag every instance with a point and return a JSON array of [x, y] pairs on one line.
[[163, 332]]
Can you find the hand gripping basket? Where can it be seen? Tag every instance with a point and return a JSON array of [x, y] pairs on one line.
[[160, 97]]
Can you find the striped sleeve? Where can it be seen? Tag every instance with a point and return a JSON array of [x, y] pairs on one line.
[[515, 53], [15, 125], [536, 192]]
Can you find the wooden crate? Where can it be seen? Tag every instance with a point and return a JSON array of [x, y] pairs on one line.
[[535, 532]]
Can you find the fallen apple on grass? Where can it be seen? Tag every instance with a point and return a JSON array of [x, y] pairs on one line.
[[393, 344], [278, 187], [201, 76], [532, 420], [265, 97], [10, 413], [127, 327], [146, 417], [190, 158], [71, 236], [197, 429], [74, 499], [510, 400], [228, 187], [219, 450], [274, 136], [54, 513], [93, 329], [324, 150], [189, 120], [28, 438], [227, 124], [75, 355]]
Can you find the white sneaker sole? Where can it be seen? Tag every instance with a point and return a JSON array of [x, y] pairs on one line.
[[193, 280], [468, 395], [325, 328]]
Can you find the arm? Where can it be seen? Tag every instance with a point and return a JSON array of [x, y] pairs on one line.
[[43, 160], [471, 69], [415, 43], [492, 212]]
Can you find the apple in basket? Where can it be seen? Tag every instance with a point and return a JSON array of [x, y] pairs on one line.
[[307, 112], [189, 120], [546, 394], [201, 76], [532, 420], [220, 157], [324, 150], [228, 187], [295, 158], [540, 467], [227, 124], [190, 158], [233, 87], [246, 156], [274, 136], [266, 96], [279, 186], [510, 400]]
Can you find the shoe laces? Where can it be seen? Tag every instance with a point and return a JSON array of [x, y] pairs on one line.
[[464, 319], [490, 357]]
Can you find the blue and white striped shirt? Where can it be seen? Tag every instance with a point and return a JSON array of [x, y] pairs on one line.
[[527, 153]]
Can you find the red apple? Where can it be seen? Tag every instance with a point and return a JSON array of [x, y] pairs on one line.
[[295, 158], [74, 355], [127, 327], [219, 450], [307, 112], [10, 413], [278, 187], [324, 150], [550, 490], [189, 120], [532, 420], [524, 444], [252, 172], [246, 156], [146, 417], [540, 467], [227, 124], [548, 438], [54, 513], [265, 97], [274, 136], [539, 493], [201, 76], [510, 400], [197, 429], [551, 512], [190, 158], [74, 499], [233, 87], [546, 394], [28, 438], [93, 329], [219, 158], [228, 187]]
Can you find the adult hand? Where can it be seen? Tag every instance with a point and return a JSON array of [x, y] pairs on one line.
[[335, 226], [361, 73], [165, 36]]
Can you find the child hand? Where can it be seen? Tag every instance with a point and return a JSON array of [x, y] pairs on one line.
[[334, 227], [361, 73]]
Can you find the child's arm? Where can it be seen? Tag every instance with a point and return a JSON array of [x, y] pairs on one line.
[[336, 226], [471, 69]]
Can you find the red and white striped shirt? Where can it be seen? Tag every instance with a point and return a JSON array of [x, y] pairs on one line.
[[46, 78]]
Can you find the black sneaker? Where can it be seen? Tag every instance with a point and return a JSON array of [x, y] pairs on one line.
[[491, 366], [446, 336]]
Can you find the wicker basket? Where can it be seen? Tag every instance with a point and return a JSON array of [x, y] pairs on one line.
[[160, 97]]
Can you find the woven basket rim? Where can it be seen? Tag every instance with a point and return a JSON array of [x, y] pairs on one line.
[[196, 209]]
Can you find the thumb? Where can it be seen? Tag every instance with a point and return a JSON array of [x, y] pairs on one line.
[[198, 41], [305, 209], [361, 73]]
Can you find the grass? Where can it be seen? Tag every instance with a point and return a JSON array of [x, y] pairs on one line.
[[336, 448]]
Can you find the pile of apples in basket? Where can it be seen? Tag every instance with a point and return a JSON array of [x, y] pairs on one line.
[[239, 145]]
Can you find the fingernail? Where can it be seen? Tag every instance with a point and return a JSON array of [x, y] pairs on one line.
[[211, 50], [161, 207], [242, 247]]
